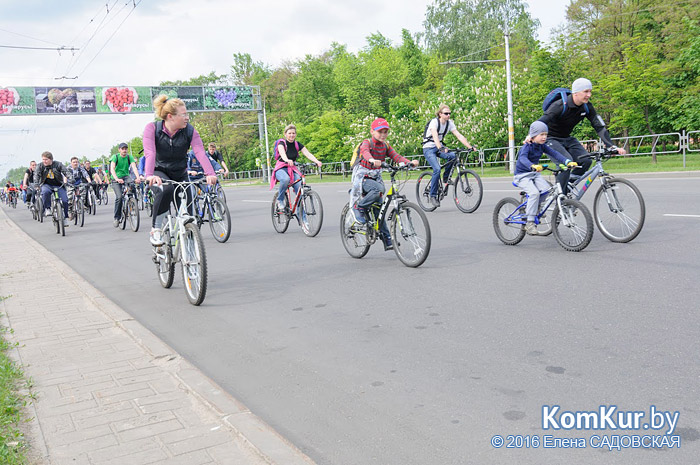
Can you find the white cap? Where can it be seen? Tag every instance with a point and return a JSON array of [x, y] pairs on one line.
[[580, 85]]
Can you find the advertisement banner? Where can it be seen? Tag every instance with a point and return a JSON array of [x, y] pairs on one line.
[[17, 101], [65, 100], [120, 99], [229, 98], [192, 96]]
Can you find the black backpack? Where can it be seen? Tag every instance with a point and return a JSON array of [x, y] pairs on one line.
[[428, 137], [556, 94]]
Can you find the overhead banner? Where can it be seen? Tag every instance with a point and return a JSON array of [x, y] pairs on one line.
[[123, 99]]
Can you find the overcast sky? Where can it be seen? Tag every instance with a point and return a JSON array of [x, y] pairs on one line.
[[158, 41]]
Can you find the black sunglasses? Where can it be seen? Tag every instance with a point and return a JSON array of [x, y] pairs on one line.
[[446, 113]]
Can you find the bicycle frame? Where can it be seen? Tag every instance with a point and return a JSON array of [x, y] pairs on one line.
[[176, 225], [554, 194], [392, 198]]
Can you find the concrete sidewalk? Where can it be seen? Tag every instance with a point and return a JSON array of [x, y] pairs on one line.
[[107, 390]]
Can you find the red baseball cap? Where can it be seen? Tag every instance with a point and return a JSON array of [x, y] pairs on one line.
[[379, 123]]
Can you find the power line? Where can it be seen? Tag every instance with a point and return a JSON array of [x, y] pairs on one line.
[[59, 49], [28, 37]]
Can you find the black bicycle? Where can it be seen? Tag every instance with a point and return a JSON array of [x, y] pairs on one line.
[[77, 205], [208, 207], [467, 191], [130, 207]]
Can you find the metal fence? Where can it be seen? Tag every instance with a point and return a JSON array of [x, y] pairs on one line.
[[649, 144]]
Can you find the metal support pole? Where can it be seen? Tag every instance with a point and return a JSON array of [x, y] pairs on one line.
[[263, 120], [511, 129]]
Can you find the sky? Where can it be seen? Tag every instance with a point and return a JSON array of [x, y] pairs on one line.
[[142, 45]]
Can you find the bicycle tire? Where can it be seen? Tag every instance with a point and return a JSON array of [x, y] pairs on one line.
[[134, 216], [40, 210], [165, 264], [410, 232], [193, 260], [468, 191], [80, 213], [508, 233], [105, 196], [124, 216], [576, 236], [423, 191], [57, 220], [219, 220], [623, 221], [352, 234], [280, 220], [312, 206], [219, 190], [93, 203]]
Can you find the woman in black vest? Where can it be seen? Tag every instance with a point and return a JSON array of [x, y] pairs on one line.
[[165, 145]]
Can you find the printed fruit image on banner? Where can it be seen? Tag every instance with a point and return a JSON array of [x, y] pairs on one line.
[[17, 100], [228, 98], [66, 100], [192, 96], [118, 99]]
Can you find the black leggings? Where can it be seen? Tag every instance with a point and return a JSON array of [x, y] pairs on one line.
[[162, 197]]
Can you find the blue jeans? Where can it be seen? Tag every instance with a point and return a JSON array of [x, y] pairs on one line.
[[47, 193], [372, 191], [283, 177], [431, 155]]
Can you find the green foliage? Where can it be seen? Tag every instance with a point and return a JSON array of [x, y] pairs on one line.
[[12, 443]]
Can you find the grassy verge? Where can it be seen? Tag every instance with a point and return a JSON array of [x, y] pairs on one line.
[[12, 443], [638, 164]]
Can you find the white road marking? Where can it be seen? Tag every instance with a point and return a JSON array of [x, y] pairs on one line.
[[256, 201], [682, 216]]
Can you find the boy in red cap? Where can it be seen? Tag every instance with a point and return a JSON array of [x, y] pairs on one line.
[[367, 184]]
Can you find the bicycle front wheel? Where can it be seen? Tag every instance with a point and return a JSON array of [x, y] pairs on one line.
[[134, 215], [219, 220], [56, 214], [352, 234], [423, 191], [280, 220], [163, 257], [507, 232], [410, 232], [39, 210], [572, 225], [468, 191], [619, 210], [194, 265], [105, 197], [93, 203], [311, 213], [80, 212], [220, 192]]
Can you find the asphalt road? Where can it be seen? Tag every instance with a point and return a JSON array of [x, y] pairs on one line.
[[369, 362]]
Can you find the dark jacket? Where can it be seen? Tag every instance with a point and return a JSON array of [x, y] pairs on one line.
[[171, 153], [561, 125], [42, 171]]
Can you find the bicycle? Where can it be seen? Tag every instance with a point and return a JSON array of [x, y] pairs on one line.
[[91, 199], [307, 201], [78, 204], [130, 208], [212, 210], [182, 243], [57, 215], [569, 219], [104, 197], [468, 190], [408, 225], [148, 201], [618, 205]]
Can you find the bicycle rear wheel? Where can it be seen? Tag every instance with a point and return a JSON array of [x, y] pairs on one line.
[[410, 232], [573, 225], [219, 220], [163, 257], [280, 220], [194, 265], [40, 210], [619, 210], [507, 232], [220, 192], [352, 234], [468, 191], [423, 191], [311, 213]]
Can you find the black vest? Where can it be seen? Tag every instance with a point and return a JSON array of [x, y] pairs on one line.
[[171, 154]]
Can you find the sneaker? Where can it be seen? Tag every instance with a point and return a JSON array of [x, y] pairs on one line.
[[531, 229], [280, 206], [388, 245], [359, 214], [156, 237], [116, 222], [435, 201], [65, 223]]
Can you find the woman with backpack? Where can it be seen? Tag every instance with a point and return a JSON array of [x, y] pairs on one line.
[[286, 153], [434, 133]]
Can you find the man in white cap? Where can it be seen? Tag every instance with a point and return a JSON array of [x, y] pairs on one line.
[[562, 116]]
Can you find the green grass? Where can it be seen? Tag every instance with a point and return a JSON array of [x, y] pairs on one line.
[[12, 442]]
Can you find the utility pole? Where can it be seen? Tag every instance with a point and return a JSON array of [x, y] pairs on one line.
[[511, 128], [267, 143]]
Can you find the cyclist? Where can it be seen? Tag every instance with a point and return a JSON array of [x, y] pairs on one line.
[[194, 167], [80, 176], [28, 181], [95, 179], [216, 155], [287, 152], [119, 167], [561, 118], [527, 171], [367, 184], [165, 145], [53, 173], [434, 133]]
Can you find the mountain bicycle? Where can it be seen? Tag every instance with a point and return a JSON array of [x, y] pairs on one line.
[[182, 243], [91, 199], [148, 201], [567, 218], [467, 191], [57, 214], [618, 205], [104, 197], [130, 208], [77, 204], [408, 225], [306, 207], [208, 207]]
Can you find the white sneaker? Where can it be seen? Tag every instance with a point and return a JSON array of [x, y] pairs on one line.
[[280, 206], [531, 229], [156, 237]]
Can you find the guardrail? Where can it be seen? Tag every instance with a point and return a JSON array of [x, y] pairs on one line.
[[648, 144]]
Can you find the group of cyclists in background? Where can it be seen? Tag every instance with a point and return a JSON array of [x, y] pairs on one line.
[[174, 155]]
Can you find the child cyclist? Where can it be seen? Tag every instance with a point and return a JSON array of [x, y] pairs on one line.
[[367, 184], [527, 171]]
